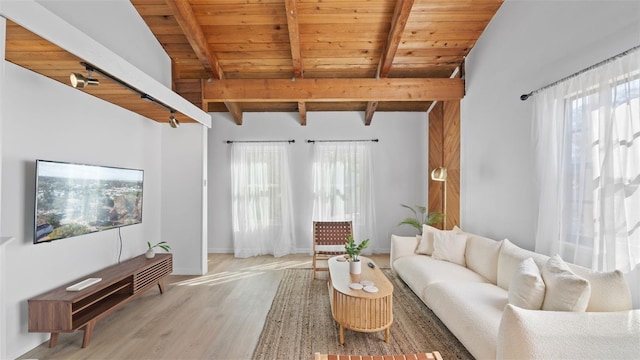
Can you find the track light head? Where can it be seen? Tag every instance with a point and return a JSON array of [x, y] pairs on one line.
[[173, 121], [80, 82]]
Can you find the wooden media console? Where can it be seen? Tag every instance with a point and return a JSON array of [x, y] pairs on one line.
[[60, 310]]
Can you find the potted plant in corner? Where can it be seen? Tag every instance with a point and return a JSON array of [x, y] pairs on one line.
[[150, 254], [420, 217], [354, 250]]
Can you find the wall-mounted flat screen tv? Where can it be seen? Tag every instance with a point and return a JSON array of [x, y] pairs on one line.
[[76, 199]]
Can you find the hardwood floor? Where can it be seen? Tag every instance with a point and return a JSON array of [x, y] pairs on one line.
[[216, 316]]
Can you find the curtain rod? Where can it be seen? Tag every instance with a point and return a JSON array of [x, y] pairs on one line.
[[524, 97], [259, 141], [314, 141]]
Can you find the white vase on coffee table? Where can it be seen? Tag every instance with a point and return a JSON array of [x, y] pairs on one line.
[[355, 267]]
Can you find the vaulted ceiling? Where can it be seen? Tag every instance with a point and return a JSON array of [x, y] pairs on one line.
[[241, 56], [317, 55]]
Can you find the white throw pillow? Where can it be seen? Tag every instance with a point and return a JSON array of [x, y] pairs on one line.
[[565, 290], [609, 290], [526, 289], [449, 246], [510, 257], [425, 244]]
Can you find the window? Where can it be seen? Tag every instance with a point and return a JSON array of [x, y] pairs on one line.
[[261, 199], [343, 185], [588, 152]]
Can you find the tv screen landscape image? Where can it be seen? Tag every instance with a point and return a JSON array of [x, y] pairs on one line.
[[76, 199]]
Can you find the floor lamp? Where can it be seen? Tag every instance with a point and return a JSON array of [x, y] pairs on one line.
[[440, 174]]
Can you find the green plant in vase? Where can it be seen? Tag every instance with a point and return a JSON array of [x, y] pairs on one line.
[[354, 251], [151, 252]]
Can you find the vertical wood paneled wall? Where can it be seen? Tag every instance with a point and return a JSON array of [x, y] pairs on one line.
[[444, 150]]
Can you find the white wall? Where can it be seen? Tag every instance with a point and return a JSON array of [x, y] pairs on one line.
[[3, 239], [37, 125], [112, 23], [527, 45], [41, 118], [399, 160], [183, 192]]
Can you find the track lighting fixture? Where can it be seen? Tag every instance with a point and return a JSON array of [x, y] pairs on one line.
[[173, 121], [80, 82]]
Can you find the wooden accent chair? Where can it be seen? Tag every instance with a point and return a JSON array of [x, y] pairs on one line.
[[329, 238], [422, 356]]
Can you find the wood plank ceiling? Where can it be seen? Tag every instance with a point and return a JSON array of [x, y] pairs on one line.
[[317, 55]]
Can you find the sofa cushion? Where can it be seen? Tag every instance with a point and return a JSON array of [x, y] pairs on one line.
[[481, 255], [472, 312], [566, 291], [450, 246], [609, 290], [510, 257], [530, 334], [420, 271], [526, 289]]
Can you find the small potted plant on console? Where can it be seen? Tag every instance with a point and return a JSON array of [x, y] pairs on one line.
[[354, 250], [150, 254]]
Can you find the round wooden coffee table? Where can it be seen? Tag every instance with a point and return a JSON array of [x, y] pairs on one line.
[[357, 309]]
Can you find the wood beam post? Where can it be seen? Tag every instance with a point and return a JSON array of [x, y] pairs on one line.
[[371, 109], [302, 110], [444, 151]]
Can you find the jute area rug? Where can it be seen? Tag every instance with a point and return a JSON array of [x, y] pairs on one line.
[[300, 324]]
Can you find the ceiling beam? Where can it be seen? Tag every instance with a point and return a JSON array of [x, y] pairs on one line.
[[296, 56], [398, 23], [400, 17], [324, 90], [302, 109], [371, 109], [185, 17], [294, 38]]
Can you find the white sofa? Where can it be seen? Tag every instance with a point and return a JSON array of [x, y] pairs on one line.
[[465, 280]]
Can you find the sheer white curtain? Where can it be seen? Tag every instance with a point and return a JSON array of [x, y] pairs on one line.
[[587, 138], [343, 186], [261, 199]]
